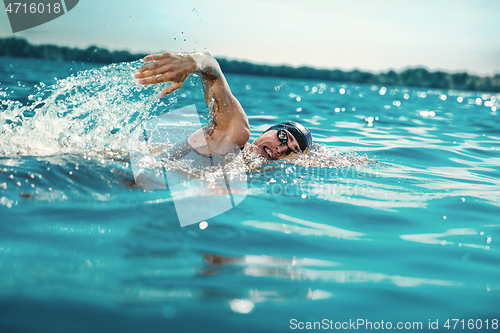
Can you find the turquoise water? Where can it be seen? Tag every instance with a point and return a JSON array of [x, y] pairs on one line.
[[392, 216]]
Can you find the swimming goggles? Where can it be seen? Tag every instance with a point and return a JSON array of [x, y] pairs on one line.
[[283, 137]]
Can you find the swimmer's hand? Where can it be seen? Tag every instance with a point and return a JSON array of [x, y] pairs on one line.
[[167, 67]]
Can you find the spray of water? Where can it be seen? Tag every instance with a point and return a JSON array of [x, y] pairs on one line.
[[97, 110]]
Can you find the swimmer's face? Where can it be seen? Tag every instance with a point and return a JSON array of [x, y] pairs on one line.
[[276, 144]]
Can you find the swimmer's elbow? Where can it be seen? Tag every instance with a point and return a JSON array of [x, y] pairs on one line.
[[242, 135]]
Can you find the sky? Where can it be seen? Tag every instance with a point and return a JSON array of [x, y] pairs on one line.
[[371, 35]]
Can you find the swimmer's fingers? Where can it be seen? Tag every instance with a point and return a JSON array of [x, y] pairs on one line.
[[152, 71], [166, 67], [160, 56], [153, 66], [155, 79], [181, 60], [171, 88]]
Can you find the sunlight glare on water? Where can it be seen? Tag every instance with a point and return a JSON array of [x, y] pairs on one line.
[[392, 213]]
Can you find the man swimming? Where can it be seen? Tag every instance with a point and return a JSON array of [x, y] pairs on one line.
[[229, 122]]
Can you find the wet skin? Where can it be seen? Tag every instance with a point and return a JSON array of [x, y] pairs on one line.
[[269, 145]]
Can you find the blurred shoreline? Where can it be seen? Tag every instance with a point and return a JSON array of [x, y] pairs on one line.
[[412, 77]]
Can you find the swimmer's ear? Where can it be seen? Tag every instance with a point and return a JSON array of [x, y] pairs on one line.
[[170, 89]]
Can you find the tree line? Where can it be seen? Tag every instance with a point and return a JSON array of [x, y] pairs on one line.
[[414, 77]]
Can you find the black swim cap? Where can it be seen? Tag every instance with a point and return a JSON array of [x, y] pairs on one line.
[[299, 131]]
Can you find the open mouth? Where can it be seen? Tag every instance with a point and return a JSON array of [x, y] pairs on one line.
[[266, 151]]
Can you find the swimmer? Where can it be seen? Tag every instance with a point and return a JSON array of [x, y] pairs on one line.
[[229, 121]]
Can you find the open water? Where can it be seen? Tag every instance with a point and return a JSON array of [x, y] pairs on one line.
[[392, 218]]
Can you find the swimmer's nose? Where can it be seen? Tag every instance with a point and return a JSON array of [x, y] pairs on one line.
[[281, 149]]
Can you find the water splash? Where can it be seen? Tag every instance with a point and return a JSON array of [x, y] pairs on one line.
[[321, 156], [95, 110]]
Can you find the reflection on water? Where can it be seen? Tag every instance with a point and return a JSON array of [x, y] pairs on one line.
[[296, 269], [355, 227], [309, 229], [434, 238]]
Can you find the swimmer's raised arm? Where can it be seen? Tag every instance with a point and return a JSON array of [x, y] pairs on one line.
[[171, 67], [230, 122]]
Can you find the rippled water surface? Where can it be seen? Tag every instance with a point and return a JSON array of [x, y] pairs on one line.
[[392, 215]]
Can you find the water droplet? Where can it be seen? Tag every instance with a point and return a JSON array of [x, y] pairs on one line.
[[488, 240], [303, 196], [203, 225], [463, 199], [444, 217]]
